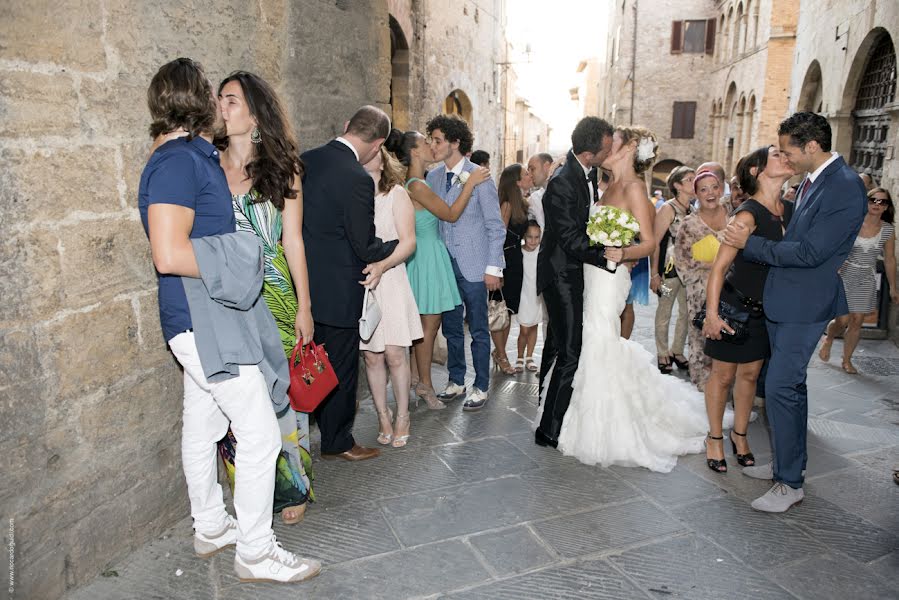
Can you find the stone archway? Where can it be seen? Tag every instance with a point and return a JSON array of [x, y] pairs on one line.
[[399, 75], [875, 89], [811, 93], [458, 103], [660, 172]]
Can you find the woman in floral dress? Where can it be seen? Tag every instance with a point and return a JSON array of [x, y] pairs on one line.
[[260, 158], [695, 248]]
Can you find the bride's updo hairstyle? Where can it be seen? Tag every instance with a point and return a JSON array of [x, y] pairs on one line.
[[401, 144], [647, 146]]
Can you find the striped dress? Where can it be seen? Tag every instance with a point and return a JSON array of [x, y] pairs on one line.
[[859, 270]]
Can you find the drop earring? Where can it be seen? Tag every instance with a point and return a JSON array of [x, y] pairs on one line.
[[255, 136]]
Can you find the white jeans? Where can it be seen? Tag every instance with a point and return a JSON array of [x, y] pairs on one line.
[[208, 408]]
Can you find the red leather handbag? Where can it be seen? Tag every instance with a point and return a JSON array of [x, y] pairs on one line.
[[312, 377]]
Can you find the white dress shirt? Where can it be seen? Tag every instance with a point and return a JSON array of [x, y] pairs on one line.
[[535, 207], [348, 145]]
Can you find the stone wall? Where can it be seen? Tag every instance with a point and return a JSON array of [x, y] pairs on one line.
[[457, 47], [752, 76], [89, 395], [841, 65], [655, 75]]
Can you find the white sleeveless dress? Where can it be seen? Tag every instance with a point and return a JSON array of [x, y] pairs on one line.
[[623, 410]]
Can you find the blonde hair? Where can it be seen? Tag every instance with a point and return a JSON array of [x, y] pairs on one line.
[[637, 132], [393, 173]]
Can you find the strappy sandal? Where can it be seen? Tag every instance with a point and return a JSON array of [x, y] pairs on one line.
[[519, 365], [715, 464], [385, 438], [426, 393], [664, 367], [400, 440], [530, 365]]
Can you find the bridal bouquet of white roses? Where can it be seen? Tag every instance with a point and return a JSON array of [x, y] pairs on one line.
[[612, 226]]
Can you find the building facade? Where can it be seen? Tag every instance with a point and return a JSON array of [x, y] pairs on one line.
[[657, 69], [90, 394], [753, 58], [844, 67]]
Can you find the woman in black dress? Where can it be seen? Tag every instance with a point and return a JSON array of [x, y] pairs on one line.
[[740, 283], [514, 182]]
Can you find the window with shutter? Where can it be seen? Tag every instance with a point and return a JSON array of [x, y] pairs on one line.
[[694, 38], [677, 37], [683, 120], [710, 37]]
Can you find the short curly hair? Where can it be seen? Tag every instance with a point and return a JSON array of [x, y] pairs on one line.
[[455, 128], [588, 135]]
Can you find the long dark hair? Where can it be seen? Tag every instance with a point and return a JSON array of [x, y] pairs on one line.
[[890, 213], [511, 193], [276, 163]]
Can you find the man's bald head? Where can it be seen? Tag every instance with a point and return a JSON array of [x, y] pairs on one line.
[[714, 167]]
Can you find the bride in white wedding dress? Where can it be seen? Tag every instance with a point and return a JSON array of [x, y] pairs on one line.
[[623, 410]]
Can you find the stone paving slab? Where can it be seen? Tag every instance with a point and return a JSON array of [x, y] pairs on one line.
[[472, 508], [695, 568]]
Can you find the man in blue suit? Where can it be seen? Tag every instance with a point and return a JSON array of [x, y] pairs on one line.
[[475, 245], [802, 293]]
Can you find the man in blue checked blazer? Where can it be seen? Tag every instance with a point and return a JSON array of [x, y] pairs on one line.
[[475, 245], [803, 292]]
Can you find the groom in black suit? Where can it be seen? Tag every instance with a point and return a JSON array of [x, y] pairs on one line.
[[342, 252], [560, 266]]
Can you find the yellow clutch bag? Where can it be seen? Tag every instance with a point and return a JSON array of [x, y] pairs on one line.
[[706, 249]]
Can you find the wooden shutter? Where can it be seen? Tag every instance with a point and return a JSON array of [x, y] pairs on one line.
[[677, 37], [710, 36], [683, 120]]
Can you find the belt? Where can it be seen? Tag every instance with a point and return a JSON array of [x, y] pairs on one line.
[[754, 306]]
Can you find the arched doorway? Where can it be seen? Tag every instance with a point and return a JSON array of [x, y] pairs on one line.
[[457, 103], [660, 172], [399, 75], [871, 122], [810, 96]]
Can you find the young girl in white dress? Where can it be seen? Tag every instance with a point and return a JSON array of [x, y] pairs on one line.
[[530, 309]]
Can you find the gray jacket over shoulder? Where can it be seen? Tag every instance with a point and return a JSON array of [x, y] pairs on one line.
[[232, 326]]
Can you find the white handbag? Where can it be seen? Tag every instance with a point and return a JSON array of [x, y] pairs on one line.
[[371, 316]]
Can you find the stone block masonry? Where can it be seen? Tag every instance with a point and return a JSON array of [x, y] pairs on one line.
[[90, 398], [89, 395]]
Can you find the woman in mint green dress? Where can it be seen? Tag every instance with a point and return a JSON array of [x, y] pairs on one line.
[[260, 158], [429, 269]]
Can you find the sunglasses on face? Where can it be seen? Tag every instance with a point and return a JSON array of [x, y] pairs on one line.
[[878, 201]]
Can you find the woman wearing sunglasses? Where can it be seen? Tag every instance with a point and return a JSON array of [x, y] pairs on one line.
[[877, 237]]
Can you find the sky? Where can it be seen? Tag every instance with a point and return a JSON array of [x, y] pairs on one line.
[[561, 33]]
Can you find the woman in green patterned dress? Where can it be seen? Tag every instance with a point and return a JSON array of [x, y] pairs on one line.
[[260, 157]]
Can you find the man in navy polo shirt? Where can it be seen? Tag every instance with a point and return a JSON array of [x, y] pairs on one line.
[[183, 195]]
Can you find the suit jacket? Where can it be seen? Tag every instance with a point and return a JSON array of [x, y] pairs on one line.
[[565, 244], [803, 285], [339, 232], [476, 240]]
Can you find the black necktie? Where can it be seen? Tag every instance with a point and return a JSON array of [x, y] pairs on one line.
[[592, 177]]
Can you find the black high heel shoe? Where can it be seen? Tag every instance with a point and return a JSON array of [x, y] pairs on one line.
[[745, 460], [718, 466], [683, 365]]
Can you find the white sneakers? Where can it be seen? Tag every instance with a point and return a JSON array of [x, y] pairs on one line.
[[209, 545], [276, 565], [475, 401]]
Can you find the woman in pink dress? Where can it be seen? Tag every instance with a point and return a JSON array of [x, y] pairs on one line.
[[400, 325]]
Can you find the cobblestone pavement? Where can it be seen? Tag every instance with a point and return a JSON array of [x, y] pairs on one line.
[[471, 508]]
